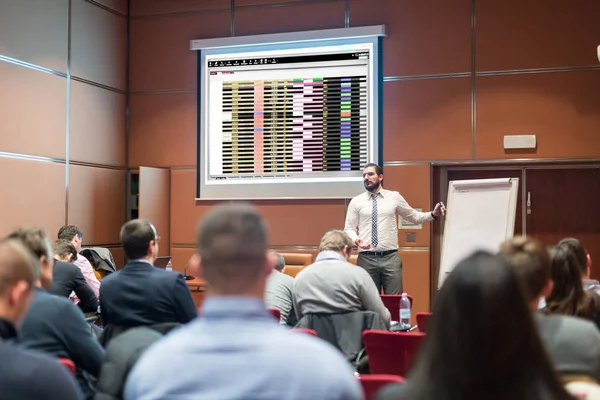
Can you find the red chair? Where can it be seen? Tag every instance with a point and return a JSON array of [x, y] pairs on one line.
[[392, 303], [69, 364], [371, 384], [276, 313], [391, 352], [306, 330], [423, 321]]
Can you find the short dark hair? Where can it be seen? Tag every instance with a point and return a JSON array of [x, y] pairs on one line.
[[62, 247], [531, 261], [232, 242], [280, 265], [378, 168], [575, 247], [68, 232], [136, 236], [37, 242]]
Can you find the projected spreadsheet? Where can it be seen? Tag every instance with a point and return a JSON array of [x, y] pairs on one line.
[[271, 120]]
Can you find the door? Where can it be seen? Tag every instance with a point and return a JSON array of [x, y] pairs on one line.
[[565, 203], [155, 203]]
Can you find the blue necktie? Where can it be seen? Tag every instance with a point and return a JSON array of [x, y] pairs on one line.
[[374, 222]]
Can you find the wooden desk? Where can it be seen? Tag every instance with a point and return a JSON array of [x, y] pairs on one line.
[[197, 288]]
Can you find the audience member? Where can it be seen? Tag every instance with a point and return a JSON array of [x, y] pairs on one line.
[[567, 296], [481, 341], [75, 236], [332, 285], [25, 375], [140, 294], [278, 292], [584, 262], [236, 350], [572, 343], [68, 279], [53, 324]]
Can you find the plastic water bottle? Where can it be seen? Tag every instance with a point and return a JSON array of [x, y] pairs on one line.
[[404, 311]]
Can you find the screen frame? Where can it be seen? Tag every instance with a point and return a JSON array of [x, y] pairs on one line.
[[294, 40]]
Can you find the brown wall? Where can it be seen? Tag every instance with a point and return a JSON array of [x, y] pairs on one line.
[[62, 116], [452, 90]]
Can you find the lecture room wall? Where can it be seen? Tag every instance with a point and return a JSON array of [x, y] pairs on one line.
[[451, 92], [62, 109]]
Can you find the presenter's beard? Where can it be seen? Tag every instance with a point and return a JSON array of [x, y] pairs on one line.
[[371, 186]]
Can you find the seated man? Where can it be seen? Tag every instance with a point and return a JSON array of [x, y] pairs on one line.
[[572, 343], [67, 278], [25, 375], [140, 294], [75, 236], [236, 350], [333, 286], [53, 324], [278, 292]]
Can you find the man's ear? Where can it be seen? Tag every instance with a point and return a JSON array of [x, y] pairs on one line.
[[19, 293], [547, 290]]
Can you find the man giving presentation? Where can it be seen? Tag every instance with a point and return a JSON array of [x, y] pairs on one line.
[[372, 224]]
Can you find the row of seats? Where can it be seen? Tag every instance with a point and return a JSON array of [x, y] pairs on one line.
[[295, 262]]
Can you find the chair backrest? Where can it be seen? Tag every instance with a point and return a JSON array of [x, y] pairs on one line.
[[276, 313], [69, 364], [353, 259], [371, 384], [391, 352], [306, 330], [423, 321], [295, 262], [392, 303]]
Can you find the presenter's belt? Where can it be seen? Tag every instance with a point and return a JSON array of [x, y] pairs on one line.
[[378, 253]]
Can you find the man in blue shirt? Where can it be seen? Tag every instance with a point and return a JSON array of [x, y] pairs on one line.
[[236, 350]]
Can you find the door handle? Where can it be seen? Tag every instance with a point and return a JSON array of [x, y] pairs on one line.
[[528, 203]]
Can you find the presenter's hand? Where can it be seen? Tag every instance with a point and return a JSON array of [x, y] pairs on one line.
[[362, 244], [439, 209]]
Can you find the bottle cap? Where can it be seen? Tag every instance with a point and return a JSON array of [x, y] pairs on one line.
[[404, 294]]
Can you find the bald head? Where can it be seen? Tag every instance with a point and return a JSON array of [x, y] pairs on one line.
[[232, 242]]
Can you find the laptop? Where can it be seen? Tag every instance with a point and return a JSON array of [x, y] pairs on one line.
[[162, 262]]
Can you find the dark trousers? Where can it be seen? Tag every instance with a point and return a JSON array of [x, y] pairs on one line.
[[385, 270]]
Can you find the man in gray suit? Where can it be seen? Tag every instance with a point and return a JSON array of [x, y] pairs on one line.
[[333, 286], [278, 292]]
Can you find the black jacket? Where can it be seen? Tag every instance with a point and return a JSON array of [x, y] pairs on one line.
[[54, 325], [67, 278], [25, 375], [141, 294]]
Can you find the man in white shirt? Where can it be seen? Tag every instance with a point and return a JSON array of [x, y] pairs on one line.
[[372, 224]]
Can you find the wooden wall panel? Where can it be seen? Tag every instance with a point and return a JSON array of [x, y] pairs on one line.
[[516, 34], [289, 18], [291, 223], [180, 257], [34, 195], [36, 32], [96, 203], [32, 111], [415, 280], [117, 5], [97, 132], [98, 45], [161, 58], [423, 37], [243, 3], [427, 120], [162, 130], [560, 108], [413, 183], [155, 187], [119, 256], [149, 7]]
